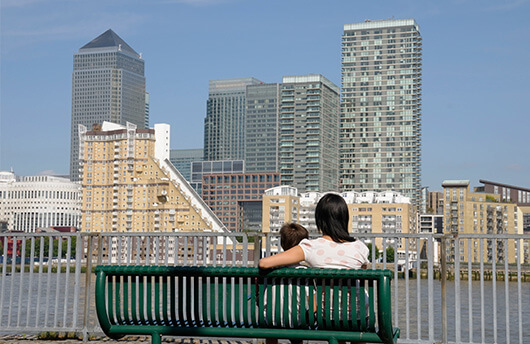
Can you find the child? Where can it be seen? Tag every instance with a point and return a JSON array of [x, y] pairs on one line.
[[290, 235], [334, 249]]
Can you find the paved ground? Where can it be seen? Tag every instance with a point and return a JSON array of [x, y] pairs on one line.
[[16, 339]]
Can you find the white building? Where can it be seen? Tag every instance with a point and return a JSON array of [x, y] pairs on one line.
[[30, 203]]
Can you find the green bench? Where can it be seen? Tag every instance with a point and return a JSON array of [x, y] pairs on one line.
[[348, 305]]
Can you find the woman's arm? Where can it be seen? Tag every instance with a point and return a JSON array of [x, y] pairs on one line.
[[289, 257]]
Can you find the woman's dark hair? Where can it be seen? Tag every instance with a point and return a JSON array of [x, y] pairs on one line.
[[332, 217]]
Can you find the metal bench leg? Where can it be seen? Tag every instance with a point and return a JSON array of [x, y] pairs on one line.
[[156, 338], [333, 341]]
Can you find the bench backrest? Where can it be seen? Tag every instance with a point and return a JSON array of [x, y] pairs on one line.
[[323, 299]]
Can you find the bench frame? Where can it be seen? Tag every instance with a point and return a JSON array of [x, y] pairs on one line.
[[142, 300]]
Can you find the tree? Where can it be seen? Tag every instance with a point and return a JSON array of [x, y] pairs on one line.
[[390, 254], [377, 253], [55, 247]]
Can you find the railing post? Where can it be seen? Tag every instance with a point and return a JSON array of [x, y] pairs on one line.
[[443, 278], [257, 250]]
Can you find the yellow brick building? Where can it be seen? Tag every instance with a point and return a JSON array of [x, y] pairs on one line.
[[383, 212], [477, 213], [129, 185], [370, 212]]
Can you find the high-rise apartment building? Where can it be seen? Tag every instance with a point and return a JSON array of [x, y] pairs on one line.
[[261, 128], [380, 132], [308, 129], [129, 184], [224, 125], [108, 84]]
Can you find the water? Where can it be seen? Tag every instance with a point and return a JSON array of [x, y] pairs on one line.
[[477, 310], [46, 301]]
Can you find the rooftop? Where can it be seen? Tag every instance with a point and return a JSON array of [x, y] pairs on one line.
[[109, 39]]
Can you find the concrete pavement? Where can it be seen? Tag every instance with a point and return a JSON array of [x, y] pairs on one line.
[[34, 339]]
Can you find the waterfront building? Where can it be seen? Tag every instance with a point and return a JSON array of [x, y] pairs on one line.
[[261, 128], [129, 184], [236, 198], [201, 168], [468, 212], [510, 193], [431, 223], [182, 159], [435, 203], [108, 84], [308, 133], [281, 204], [380, 132], [383, 212], [370, 212], [224, 125], [30, 204]]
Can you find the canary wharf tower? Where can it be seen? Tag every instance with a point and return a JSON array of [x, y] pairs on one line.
[[108, 84], [380, 131]]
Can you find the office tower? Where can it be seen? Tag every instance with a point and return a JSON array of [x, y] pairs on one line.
[[236, 198], [381, 107], [182, 159], [108, 84], [309, 133], [30, 204], [129, 185], [261, 128], [467, 212], [200, 168], [147, 102], [224, 125]]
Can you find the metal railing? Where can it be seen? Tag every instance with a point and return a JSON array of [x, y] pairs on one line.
[[461, 289]]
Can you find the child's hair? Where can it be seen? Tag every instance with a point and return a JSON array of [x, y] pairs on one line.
[[332, 216], [291, 234]]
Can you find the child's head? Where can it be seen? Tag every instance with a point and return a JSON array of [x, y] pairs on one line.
[[291, 234], [332, 216]]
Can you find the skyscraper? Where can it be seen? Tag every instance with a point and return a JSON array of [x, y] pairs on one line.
[[380, 133], [309, 133], [261, 128], [108, 84], [224, 125]]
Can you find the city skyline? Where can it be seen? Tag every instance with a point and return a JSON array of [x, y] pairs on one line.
[[474, 73]]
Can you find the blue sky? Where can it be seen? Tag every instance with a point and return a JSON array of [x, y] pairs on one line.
[[476, 120]]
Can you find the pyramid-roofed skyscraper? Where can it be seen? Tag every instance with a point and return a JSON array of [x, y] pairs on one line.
[[108, 84]]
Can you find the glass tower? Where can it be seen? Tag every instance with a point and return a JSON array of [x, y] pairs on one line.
[[380, 132], [261, 128], [108, 84], [224, 125]]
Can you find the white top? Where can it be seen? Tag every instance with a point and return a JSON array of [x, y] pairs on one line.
[[322, 253]]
